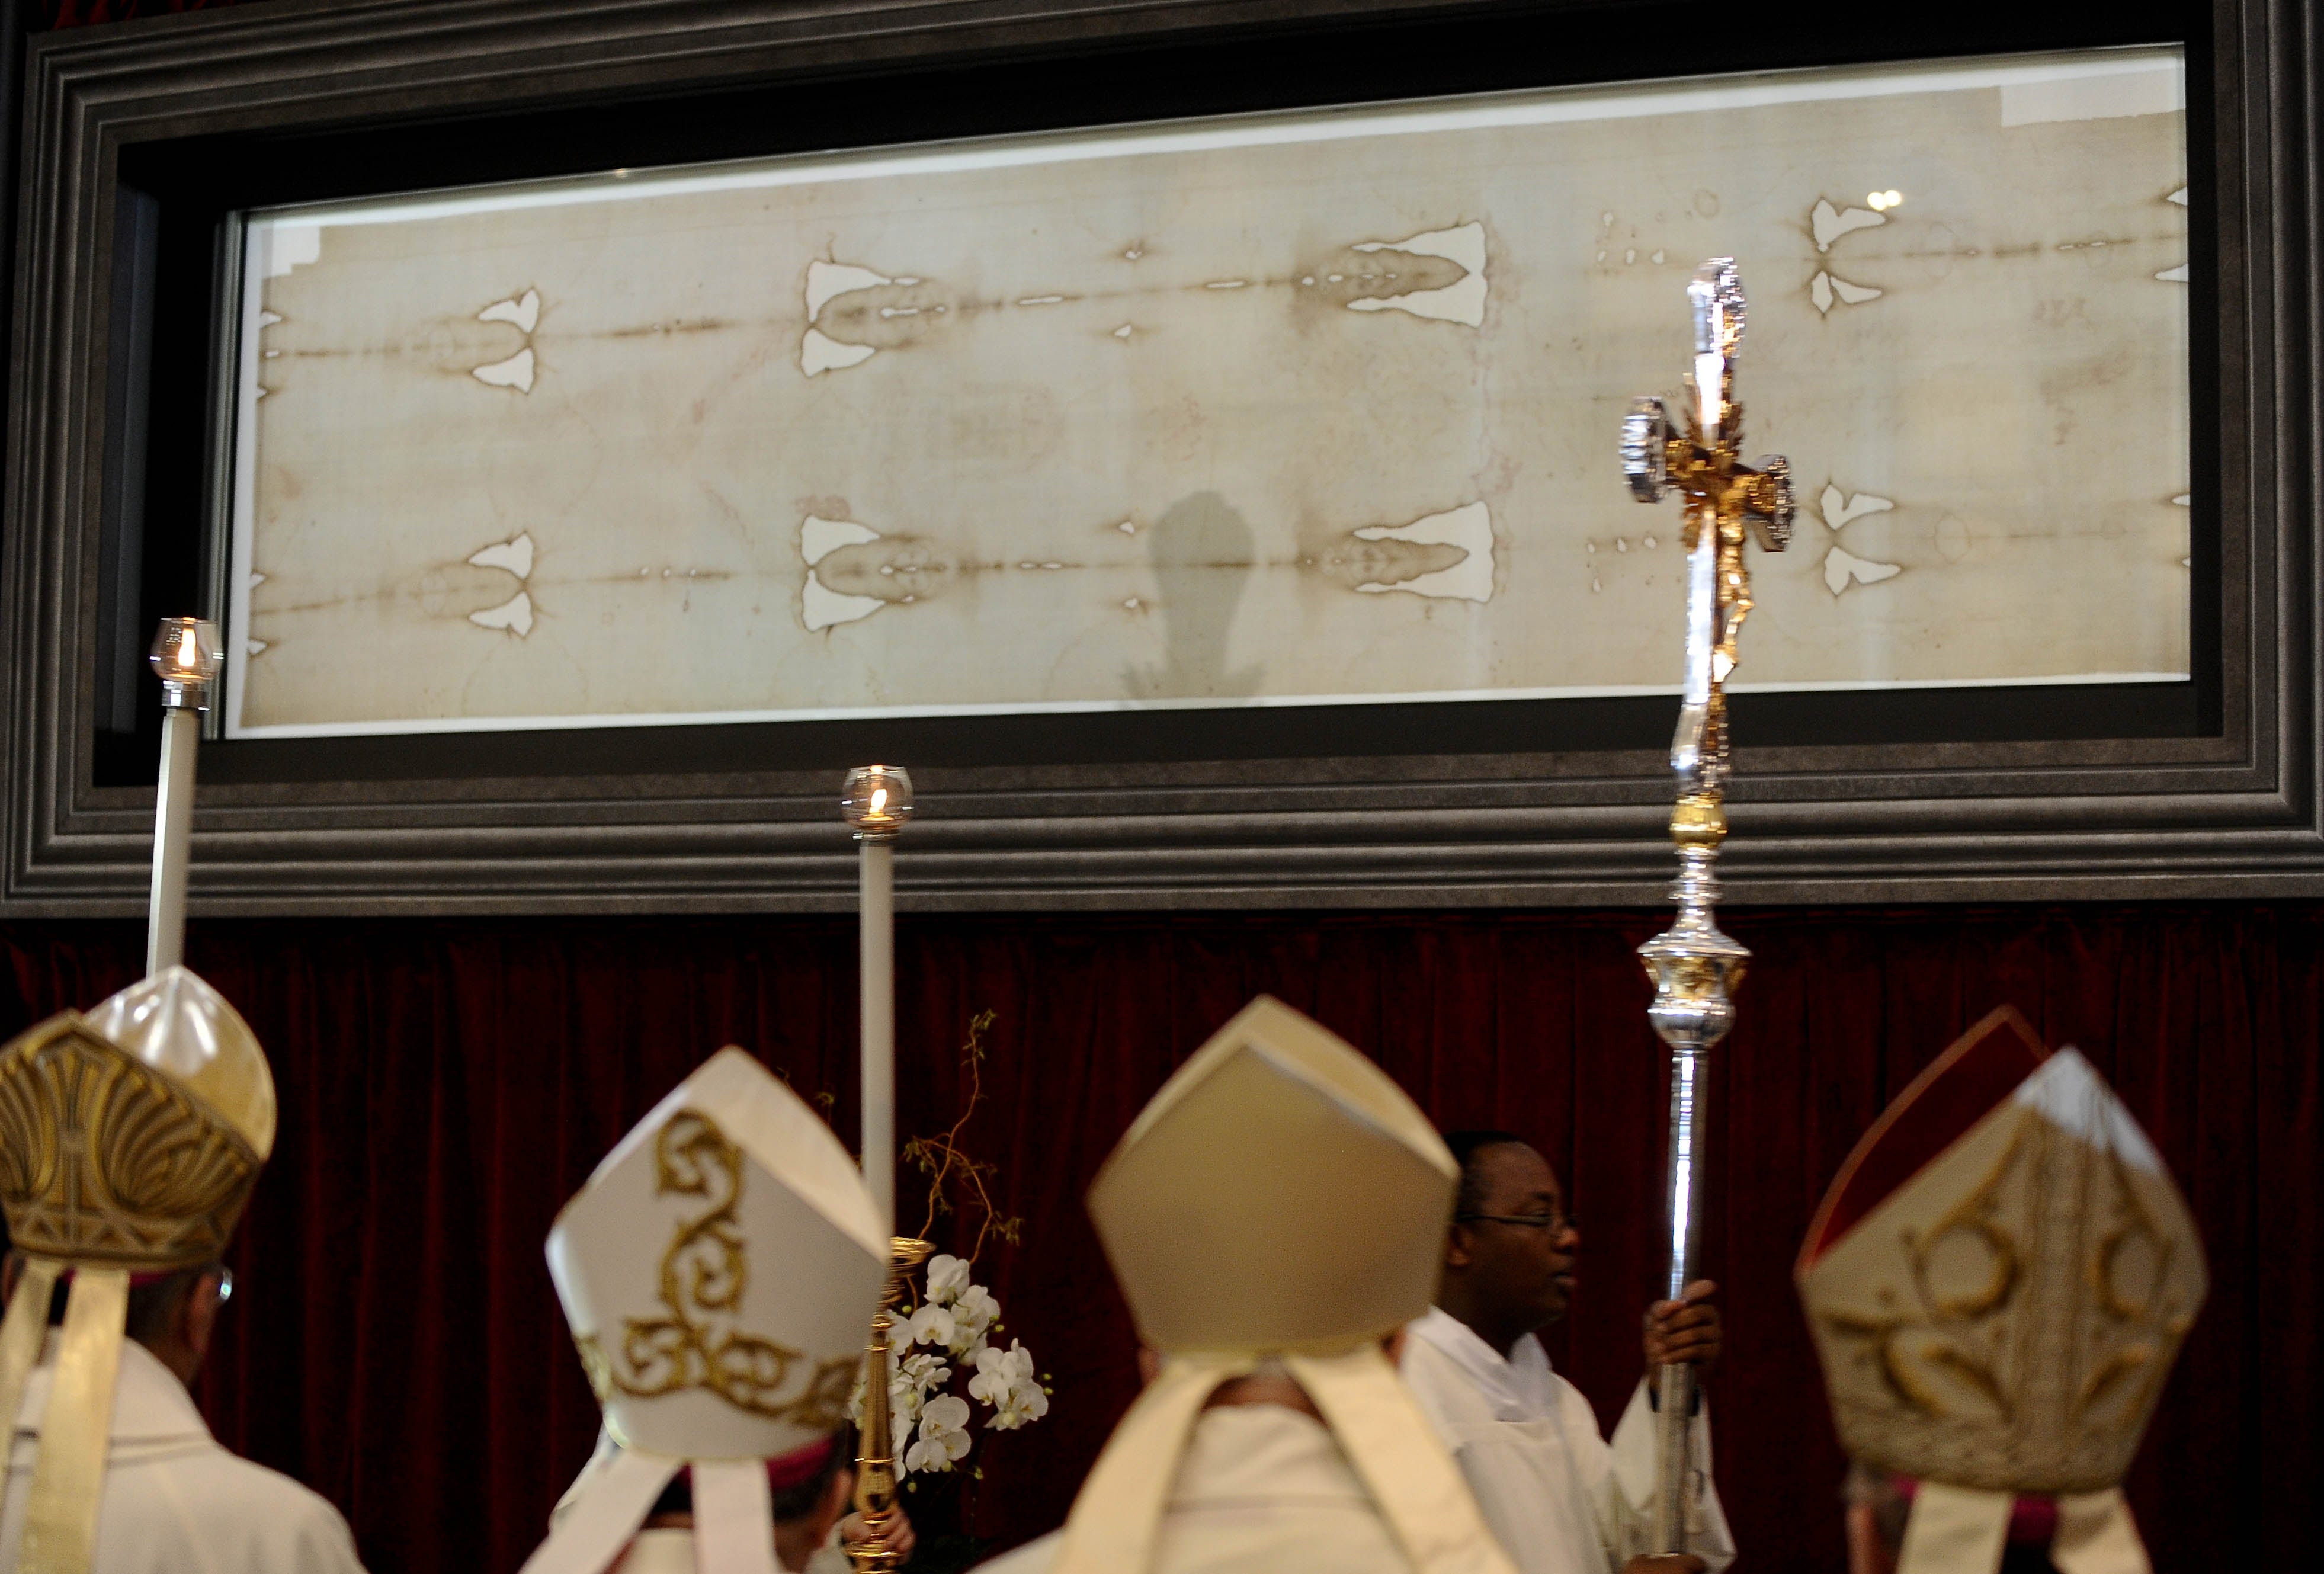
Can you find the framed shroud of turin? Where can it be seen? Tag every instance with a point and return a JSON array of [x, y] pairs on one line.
[[1181, 433], [1226, 412]]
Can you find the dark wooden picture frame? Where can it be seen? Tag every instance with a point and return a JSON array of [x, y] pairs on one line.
[[141, 140]]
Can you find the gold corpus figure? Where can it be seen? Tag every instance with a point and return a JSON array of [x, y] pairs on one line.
[[1726, 496], [1694, 966], [875, 1459]]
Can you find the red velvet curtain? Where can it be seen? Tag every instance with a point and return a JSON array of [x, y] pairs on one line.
[[447, 1085], [87, 12]]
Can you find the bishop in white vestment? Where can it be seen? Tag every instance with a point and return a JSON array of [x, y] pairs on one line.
[[1274, 1215], [144, 1125], [1262, 1489], [1560, 1497], [175, 1501], [719, 1272]]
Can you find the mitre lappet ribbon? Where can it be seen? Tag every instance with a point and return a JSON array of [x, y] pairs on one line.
[[610, 1501], [23, 1333], [2097, 1535], [1963, 1529], [69, 1480], [1396, 1452], [730, 1503], [1410, 1476], [1119, 1510], [602, 1511]]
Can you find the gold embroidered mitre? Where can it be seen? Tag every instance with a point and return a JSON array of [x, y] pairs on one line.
[[132, 1136], [130, 1139], [720, 1270], [1999, 1278]]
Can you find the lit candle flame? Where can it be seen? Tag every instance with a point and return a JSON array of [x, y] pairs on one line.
[[188, 650], [879, 801]]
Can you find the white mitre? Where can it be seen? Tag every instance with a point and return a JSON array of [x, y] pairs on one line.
[[1280, 1200], [719, 1272]]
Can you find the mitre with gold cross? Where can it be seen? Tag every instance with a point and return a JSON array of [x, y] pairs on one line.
[[718, 1272], [1997, 1283]]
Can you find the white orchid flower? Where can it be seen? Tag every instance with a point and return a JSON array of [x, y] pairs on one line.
[[931, 1325], [1005, 1379], [1017, 1361], [943, 1434], [972, 1313], [948, 1277], [926, 1368], [990, 1384], [914, 1377], [923, 1373], [998, 1371], [904, 1403], [966, 1342], [1023, 1406]]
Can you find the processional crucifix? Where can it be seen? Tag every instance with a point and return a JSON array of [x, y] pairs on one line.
[[1692, 964]]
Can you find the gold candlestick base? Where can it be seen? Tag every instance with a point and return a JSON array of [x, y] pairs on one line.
[[876, 1462]]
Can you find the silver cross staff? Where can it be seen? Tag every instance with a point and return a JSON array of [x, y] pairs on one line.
[[1692, 964]]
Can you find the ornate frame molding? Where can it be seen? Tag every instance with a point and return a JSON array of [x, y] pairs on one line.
[[2239, 813]]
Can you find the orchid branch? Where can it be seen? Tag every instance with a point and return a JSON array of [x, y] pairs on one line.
[[944, 1162]]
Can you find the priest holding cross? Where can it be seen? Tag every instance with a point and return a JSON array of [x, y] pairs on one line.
[[1560, 1499]]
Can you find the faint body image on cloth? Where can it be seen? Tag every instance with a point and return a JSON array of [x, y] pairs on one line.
[[1275, 409]]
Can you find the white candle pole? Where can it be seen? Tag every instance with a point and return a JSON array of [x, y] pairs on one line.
[[877, 800], [187, 657], [878, 966]]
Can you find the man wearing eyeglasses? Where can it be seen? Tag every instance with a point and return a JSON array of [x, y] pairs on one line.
[[1560, 1497]]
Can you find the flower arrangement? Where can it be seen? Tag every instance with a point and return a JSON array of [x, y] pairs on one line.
[[950, 1332]]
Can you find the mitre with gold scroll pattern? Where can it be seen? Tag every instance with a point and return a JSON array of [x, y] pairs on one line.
[[1998, 1283], [1278, 1203], [719, 1272], [130, 1140]]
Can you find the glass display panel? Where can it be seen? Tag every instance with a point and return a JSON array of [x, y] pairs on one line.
[[1297, 409]]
